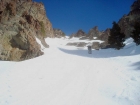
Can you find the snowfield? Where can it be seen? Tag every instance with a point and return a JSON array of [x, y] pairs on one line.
[[67, 75]]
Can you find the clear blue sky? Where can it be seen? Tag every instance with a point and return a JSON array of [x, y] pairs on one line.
[[72, 15]]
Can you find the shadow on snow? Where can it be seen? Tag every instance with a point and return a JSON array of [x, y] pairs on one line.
[[137, 65], [103, 53]]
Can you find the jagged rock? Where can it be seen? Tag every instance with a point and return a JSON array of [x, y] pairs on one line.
[[94, 32], [21, 22], [127, 21], [80, 33], [58, 33]]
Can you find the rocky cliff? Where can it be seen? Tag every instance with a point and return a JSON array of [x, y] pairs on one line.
[[126, 23], [21, 22]]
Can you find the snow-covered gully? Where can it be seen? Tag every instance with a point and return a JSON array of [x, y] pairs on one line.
[[69, 76]]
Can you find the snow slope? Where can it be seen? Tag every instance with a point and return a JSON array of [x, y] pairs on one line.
[[67, 75]]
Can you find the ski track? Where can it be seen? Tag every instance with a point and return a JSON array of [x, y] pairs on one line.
[[58, 78]]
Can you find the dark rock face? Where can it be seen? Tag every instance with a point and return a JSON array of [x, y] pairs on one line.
[[58, 33], [21, 22], [127, 21]]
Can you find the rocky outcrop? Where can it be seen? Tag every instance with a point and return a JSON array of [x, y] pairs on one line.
[[126, 23], [95, 45], [71, 36], [21, 22], [80, 33], [58, 33], [94, 32], [104, 35], [77, 44]]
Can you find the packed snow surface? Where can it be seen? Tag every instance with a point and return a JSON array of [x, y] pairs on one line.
[[67, 75]]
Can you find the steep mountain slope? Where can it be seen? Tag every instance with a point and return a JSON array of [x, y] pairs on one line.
[[21, 22]]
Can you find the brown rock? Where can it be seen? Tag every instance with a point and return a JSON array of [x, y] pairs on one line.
[[21, 22], [104, 36], [94, 32], [80, 33]]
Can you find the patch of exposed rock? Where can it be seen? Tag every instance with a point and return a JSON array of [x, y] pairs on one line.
[[58, 33], [21, 22], [94, 32], [77, 44], [94, 45]]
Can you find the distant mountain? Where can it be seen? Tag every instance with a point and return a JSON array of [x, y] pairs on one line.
[[126, 23]]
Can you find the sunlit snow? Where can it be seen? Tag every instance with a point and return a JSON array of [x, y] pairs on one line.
[[67, 75]]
